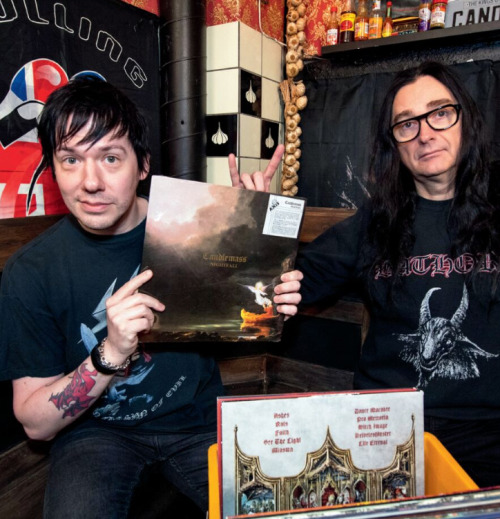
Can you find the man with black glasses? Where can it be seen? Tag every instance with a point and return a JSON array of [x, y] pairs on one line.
[[424, 253]]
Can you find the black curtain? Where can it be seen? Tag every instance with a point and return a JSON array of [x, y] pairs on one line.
[[338, 128]]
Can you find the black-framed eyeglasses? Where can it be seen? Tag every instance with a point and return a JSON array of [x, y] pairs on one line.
[[438, 119]]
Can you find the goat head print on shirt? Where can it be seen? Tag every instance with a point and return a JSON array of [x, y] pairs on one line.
[[439, 347]]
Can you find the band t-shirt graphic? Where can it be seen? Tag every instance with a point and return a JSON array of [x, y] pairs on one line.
[[436, 330], [165, 388]]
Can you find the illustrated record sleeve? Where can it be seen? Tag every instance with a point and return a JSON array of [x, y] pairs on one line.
[[216, 253], [296, 451], [474, 504]]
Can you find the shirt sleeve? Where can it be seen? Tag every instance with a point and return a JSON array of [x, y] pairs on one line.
[[31, 342], [331, 262]]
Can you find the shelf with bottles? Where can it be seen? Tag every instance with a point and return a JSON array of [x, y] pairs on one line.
[[452, 36]]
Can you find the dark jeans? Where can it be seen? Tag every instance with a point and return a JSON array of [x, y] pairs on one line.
[[94, 471], [474, 444]]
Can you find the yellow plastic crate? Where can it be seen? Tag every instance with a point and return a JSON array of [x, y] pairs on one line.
[[443, 475]]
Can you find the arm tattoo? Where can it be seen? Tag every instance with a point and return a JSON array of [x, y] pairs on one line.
[[74, 397]]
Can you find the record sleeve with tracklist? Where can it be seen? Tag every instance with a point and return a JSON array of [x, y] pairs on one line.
[[313, 450], [217, 252]]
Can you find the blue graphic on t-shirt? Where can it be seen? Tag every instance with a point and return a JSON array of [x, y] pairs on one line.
[[117, 391], [116, 395], [99, 314]]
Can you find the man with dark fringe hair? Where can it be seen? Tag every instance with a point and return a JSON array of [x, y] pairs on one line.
[[72, 314]]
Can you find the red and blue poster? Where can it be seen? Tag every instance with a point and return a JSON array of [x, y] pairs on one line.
[[44, 44]]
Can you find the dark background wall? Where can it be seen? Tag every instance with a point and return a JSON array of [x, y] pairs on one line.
[[344, 100]]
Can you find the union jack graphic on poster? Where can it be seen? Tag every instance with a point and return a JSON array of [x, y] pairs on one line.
[[24, 188]]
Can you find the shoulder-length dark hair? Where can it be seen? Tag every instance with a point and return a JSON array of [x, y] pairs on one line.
[[394, 196], [91, 101]]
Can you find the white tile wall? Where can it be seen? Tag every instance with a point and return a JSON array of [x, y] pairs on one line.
[[272, 59], [249, 132], [218, 171], [249, 165], [272, 108], [223, 46], [230, 48], [250, 49], [223, 91]]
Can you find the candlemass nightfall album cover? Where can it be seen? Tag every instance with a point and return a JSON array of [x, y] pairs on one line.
[[217, 252]]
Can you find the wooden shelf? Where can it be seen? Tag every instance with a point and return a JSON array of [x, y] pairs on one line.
[[453, 36]]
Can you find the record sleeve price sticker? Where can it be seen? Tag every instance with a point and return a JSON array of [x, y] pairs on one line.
[[284, 216]]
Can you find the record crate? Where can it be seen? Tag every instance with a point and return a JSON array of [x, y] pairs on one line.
[[443, 474]]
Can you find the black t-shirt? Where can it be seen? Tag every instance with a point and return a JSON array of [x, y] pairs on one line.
[[437, 332], [52, 302]]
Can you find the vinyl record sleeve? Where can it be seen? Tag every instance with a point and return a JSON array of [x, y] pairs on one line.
[[477, 504], [217, 252], [313, 450]]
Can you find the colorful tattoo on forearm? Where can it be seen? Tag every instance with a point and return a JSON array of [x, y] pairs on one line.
[[75, 396]]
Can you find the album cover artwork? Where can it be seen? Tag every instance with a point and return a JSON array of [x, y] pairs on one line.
[[473, 504], [298, 451], [217, 252]]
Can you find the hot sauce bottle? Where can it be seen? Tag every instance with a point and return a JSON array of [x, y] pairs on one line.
[[332, 33], [387, 27], [361, 27], [347, 21], [376, 20]]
